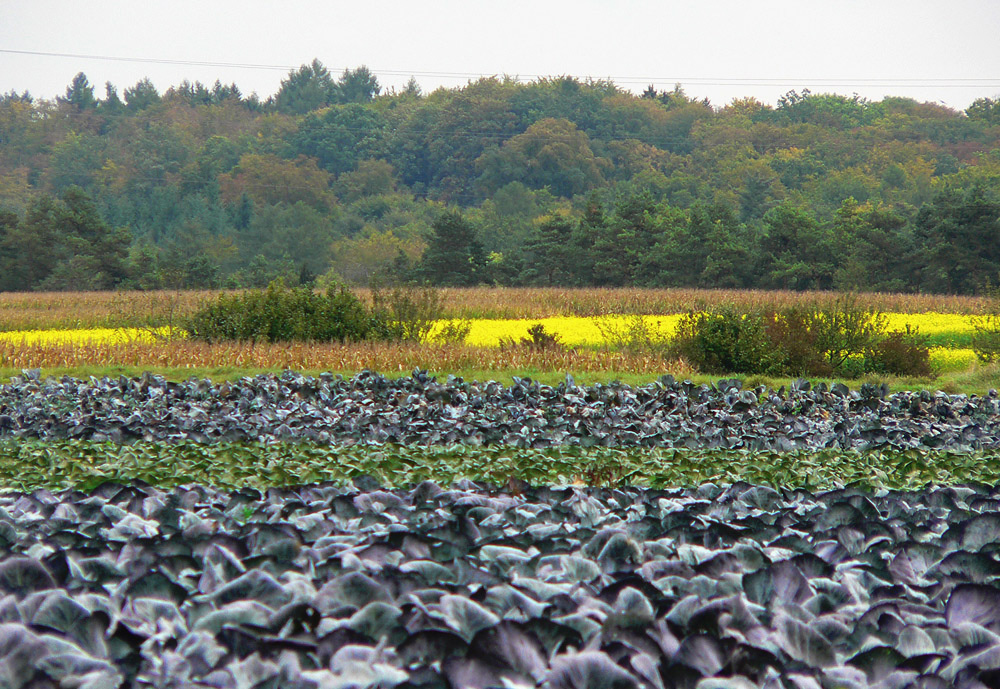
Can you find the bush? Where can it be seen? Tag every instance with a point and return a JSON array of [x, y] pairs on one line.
[[406, 314], [843, 339], [724, 340], [986, 328], [453, 331], [632, 334], [538, 338], [846, 329], [280, 314], [792, 333], [900, 353]]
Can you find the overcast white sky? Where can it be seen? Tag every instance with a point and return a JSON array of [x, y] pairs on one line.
[[720, 49]]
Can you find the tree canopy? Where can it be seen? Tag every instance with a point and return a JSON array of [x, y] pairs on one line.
[[552, 181]]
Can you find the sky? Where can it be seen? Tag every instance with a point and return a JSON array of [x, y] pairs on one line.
[[928, 50]]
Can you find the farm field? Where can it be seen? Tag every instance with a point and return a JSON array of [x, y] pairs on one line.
[[369, 530], [128, 332], [346, 585], [70, 310]]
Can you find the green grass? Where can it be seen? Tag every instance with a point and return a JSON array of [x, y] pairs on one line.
[[26, 465]]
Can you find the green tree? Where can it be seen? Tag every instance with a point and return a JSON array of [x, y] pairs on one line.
[[92, 255], [32, 246], [827, 109], [341, 136], [296, 233], [269, 179], [708, 248], [552, 153], [308, 88], [9, 223], [454, 256], [141, 96], [357, 86], [624, 241], [875, 245], [438, 146], [63, 244], [371, 178], [75, 160], [112, 104], [550, 253], [797, 250], [959, 238], [984, 110], [80, 94]]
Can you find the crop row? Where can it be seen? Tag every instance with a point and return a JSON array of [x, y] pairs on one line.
[[353, 357], [466, 585], [54, 310], [418, 410], [28, 465], [48, 348], [946, 329]]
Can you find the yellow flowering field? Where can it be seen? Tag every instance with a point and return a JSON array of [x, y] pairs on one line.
[[484, 334], [89, 336], [572, 331], [945, 359], [943, 329]]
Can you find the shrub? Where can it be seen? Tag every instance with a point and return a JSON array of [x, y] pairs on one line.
[[280, 314], [843, 338], [406, 314], [724, 340], [900, 353], [792, 333], [632, 334], [986, 328], [538, 338], [452, 331], [846, 328]]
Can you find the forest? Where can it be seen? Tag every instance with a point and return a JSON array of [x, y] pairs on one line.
[[553, 182]]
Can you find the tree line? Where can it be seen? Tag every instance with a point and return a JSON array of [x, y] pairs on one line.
[[556, 181]]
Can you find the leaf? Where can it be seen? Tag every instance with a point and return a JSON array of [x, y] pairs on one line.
[[254, 585], [60, 612], [510, 646], [22, 575], [802, 643], [20, 651], [631, 609], [465, 616], [354, 589], [375, 620], [777, 584], [588, 670], [878, 662], [977, 603], [914, 641], [701, 652]]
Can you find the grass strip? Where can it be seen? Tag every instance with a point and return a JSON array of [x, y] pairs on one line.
[[27, 465]]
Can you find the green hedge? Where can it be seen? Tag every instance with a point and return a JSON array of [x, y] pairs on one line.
[[279, 314], [843, 339]]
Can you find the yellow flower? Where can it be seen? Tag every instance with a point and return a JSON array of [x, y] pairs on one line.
[[90, 336], [571, 330], [946, 359]]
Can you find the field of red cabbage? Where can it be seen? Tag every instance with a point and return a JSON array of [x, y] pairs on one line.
[[319, 532]]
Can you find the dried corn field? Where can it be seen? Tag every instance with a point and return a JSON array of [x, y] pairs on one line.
[[385, 357], [48, 310]]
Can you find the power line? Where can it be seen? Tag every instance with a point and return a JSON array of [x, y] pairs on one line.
[[895, 82], [155, 61]]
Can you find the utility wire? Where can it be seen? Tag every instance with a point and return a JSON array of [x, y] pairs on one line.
[[900, 82]]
